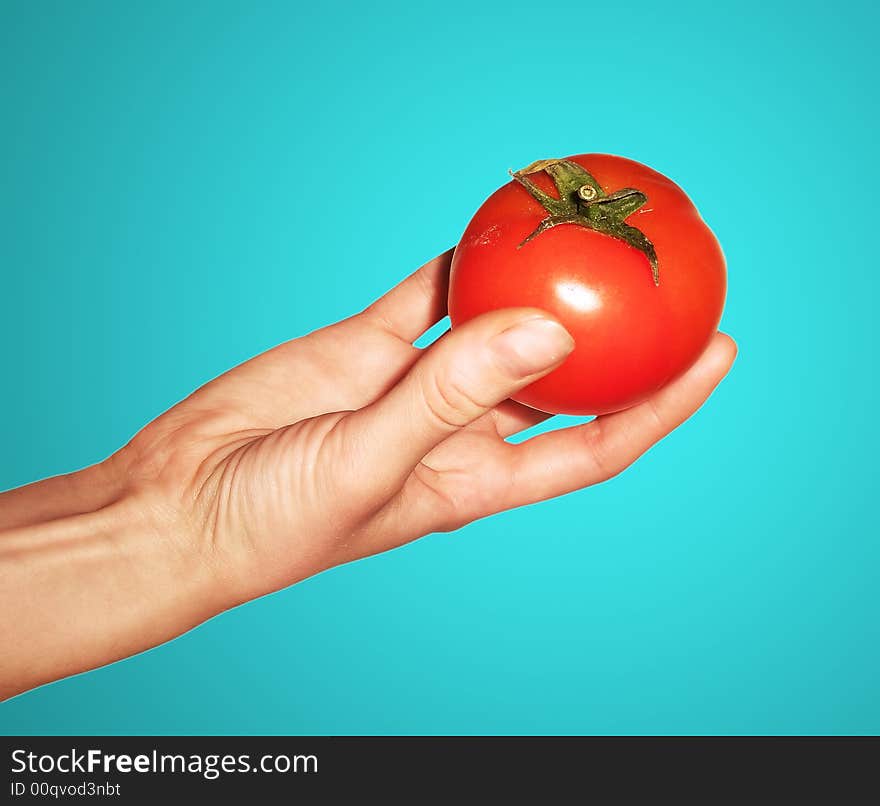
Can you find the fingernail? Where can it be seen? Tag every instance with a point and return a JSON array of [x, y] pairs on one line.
[[531, 346]]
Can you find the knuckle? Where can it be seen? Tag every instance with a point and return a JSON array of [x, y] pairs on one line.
[[654, 413], [376, 315], [449, 401], [451, 502], [599, 448]]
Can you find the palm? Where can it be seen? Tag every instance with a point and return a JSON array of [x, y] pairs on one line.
[[320, 374], [257, 447]]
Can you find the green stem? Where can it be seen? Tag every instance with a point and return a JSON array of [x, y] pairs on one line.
[[583, 201]]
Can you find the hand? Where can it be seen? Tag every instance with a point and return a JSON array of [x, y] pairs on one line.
[[334, 446], [351, 441]]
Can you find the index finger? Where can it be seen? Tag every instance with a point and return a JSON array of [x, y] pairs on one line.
[[417, 303]]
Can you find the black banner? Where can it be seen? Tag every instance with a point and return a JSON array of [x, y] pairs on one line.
[[144, 769]]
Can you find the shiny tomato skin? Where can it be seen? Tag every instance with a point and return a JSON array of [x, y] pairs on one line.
[[631, 336]]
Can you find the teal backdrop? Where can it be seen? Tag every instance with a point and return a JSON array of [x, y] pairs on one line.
[[159, 168]]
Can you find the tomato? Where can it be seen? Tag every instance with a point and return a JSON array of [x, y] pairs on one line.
[[618, 253]]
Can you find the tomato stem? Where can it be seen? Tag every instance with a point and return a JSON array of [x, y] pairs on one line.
[[583, 201]]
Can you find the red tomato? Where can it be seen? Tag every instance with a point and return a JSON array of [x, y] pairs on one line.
[[618, 253]]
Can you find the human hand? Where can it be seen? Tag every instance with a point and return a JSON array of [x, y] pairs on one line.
[[334, 446], [350, 441]]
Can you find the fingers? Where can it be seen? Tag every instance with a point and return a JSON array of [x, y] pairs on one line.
[[558, 462], [459, 379], [511, 417], [411, 307]]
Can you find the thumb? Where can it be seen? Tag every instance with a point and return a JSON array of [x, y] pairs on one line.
[[461, 377]]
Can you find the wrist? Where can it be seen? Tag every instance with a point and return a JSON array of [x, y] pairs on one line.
[[62, 496], [87, 589], [166, 556], [155, 516]]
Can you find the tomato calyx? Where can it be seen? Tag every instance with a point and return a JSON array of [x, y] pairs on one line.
[[583, 201]]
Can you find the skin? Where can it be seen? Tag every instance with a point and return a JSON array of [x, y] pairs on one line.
[[308, 456]]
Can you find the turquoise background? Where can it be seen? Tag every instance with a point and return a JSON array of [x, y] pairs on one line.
[[158, 168]]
